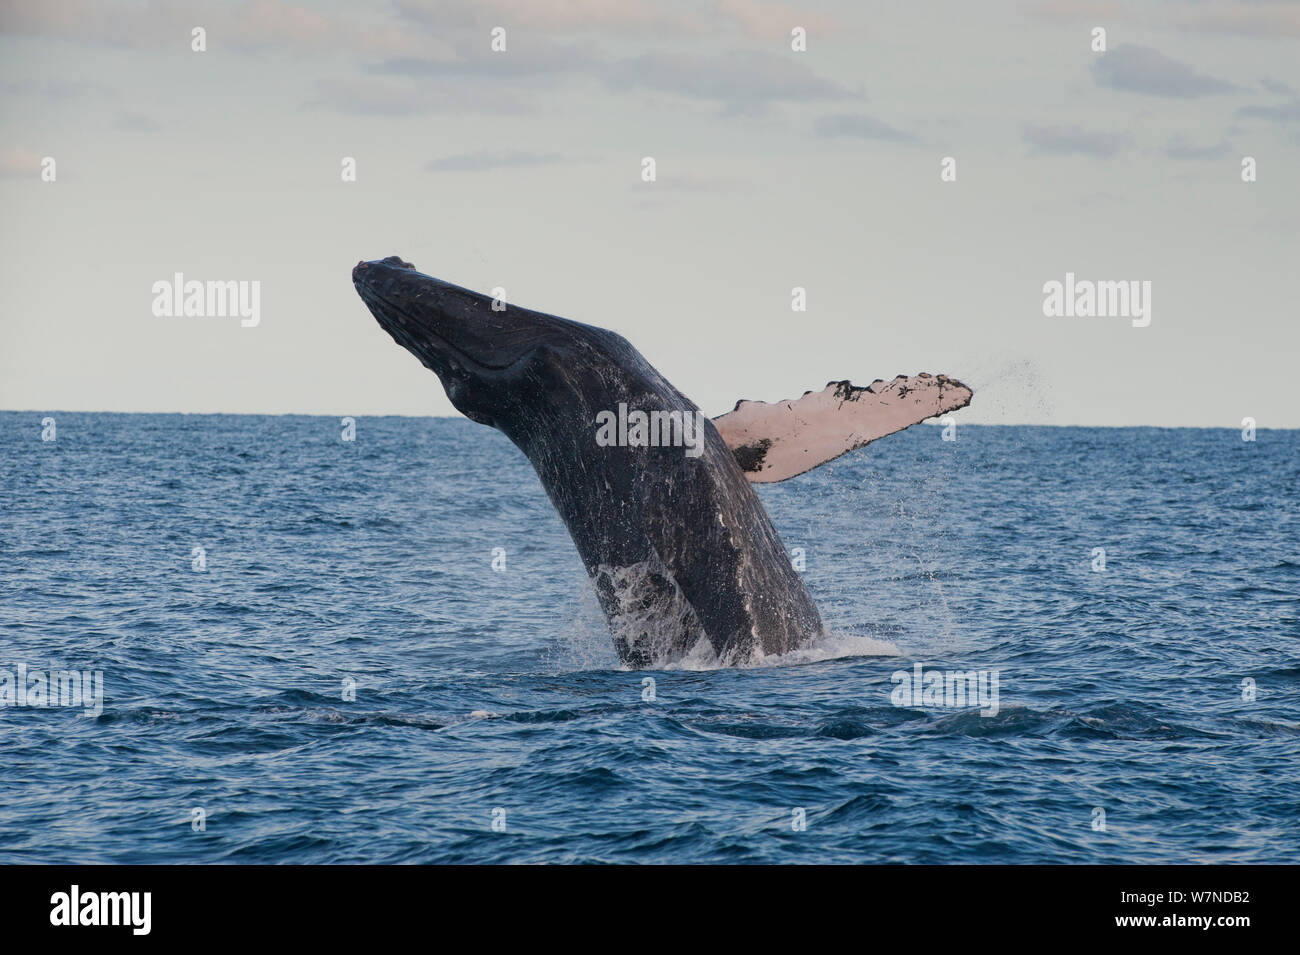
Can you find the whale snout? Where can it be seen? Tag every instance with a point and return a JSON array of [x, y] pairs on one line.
[[450, 329], [369, 271]]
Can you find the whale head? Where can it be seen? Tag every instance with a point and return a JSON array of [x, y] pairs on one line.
[[493, 359]]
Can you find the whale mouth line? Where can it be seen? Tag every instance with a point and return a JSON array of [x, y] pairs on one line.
[[405, 327]]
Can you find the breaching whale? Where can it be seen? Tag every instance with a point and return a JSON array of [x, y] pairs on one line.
[[656, 496]]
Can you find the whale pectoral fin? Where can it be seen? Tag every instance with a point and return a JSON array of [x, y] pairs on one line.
[[773, 442]]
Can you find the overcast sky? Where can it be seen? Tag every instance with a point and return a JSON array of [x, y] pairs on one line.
[[775, 169]]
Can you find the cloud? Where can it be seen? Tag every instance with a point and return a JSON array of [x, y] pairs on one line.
[[676, 187], [52, 90], [487, 159], [1277, 86], [372, 97], [553, 16], [539, 58], [1074, 141], [768, 21], [19, 164], [741, 80], [1266, 18], [1140, 69], [685, 182], [1288, 112], [760, 19], [546, 40], [137, 123], [1089, 10], [248, 27], [1284, 113], [861, 127], [390, 96], [1180, 148], [398, 28]]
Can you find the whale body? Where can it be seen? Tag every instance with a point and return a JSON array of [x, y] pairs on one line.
[[659, 504]]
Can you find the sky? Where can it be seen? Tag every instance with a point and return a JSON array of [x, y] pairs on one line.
[[775, 168]]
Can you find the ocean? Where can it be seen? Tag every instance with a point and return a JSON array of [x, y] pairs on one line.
[[386, 650]]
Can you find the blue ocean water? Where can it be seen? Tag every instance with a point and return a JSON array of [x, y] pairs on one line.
[[1148, 708]]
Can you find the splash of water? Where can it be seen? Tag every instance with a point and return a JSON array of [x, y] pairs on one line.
[[658, 623]]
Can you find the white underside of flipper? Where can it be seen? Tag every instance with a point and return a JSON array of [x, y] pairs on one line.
[[773, 442]]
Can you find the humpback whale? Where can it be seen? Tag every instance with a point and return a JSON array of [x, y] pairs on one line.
[[656, 496]]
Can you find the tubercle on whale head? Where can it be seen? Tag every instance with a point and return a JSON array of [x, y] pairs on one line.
[[492, 357]]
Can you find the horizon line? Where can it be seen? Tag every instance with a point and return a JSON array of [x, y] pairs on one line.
[[935, 422]]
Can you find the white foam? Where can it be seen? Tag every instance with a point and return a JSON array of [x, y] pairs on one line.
[[829, 646], [586, 645]]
